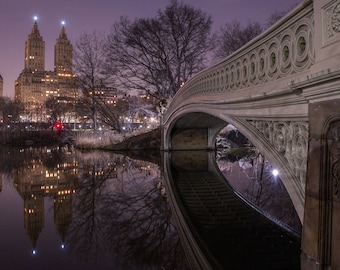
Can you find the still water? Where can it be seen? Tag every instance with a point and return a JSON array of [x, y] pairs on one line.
[[66, 209]]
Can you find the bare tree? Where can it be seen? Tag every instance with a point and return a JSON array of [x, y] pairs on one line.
[[58, 107], [10, 110], [89, 67], [89, 59], [277, 15], [233, 36], [119, 211], [156, 55]]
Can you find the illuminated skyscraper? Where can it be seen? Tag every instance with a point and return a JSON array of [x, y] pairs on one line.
[[35, 50], [63, 53], [35, 85]]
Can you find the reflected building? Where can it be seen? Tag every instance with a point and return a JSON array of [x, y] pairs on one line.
[[35, 85], [33, 215], [63, 207], [46, 180], [35, 182]]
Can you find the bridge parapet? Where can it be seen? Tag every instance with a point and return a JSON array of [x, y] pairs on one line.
[[288, 60], [283, 50]]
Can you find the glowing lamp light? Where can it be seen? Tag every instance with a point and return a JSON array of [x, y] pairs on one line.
[[62, 246], [35, 18], [275, 172], [62, 23], [34, 252], [58, 126]]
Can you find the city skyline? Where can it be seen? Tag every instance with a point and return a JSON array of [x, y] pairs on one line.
[[81, 17], [35, 85]]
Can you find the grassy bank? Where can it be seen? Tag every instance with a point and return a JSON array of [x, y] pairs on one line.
[[118, 141]]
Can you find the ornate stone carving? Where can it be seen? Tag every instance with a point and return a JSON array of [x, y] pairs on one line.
[[284, 53], [331, 22], [333, 137], [336, 18], [290, 139], [336, 178]]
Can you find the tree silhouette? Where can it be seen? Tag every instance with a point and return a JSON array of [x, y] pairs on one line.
[[156, 55]]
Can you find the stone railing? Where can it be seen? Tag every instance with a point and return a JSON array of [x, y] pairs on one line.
[[284, 49]]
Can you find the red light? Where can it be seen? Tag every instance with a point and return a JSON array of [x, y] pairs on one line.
[[58, 126]]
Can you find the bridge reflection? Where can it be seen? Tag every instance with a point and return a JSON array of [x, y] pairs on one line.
[[218, 229]]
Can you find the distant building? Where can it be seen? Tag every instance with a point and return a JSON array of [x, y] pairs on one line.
[[35, 85], [1, 86]]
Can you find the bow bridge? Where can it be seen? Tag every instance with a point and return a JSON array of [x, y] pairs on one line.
[[282, 91]]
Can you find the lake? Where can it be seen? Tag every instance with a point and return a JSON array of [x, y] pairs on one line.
[[67, 209]]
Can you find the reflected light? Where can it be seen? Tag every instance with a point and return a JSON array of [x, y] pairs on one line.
[[275, 172]]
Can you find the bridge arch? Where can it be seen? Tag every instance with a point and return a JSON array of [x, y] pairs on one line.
[[195, 127]]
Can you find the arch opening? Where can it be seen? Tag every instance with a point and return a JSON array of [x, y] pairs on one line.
[[203, 131]]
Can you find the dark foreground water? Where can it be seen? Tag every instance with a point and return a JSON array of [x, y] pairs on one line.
[[65, 209]]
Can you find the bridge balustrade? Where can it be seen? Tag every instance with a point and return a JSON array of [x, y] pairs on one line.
[[283, 50]]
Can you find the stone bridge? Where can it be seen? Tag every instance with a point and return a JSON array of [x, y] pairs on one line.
[[282, 91]]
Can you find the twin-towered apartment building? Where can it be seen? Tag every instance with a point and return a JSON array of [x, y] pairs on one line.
[[35, 85]]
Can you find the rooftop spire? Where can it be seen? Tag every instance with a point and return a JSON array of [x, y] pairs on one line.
[[63, 52], [35, 50], [63, 32], [35, 29]]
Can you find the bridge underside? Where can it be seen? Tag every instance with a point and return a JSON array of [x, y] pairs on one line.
[[283, 143], [195, 131]]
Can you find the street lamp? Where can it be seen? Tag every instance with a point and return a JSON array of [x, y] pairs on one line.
[[275, 172]]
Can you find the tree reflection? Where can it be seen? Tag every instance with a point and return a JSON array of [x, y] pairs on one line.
[[249, 172], [9, 161], [107, 208], [118, 210]]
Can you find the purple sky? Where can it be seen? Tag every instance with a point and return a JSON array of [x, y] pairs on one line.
[[81, 16]]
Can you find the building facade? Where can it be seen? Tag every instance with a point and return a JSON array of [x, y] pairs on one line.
[[35, 86]]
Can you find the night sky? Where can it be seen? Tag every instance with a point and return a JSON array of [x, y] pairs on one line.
[[85, 16]]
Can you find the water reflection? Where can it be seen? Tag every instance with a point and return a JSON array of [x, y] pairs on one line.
[[100, 210], [218, 227], [91, 210], [251, 175]]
